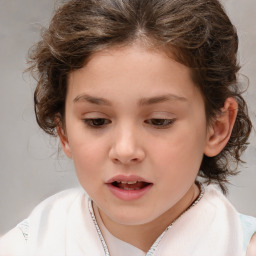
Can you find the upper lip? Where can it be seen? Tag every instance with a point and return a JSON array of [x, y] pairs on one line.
[[127, 178]]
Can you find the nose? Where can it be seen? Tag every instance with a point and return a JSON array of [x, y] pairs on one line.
[[126, 148]]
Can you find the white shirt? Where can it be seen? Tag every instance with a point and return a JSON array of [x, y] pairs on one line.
[[62, 226]]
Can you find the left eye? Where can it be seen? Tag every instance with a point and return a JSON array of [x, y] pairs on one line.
[[96, 122], [161, 123]]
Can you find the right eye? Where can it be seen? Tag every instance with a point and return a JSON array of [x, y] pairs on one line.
[[96, 122]]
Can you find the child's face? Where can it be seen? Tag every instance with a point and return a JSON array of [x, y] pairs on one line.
[[135, 115]]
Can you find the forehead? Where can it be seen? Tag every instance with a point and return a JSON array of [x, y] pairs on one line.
[[132, 71]]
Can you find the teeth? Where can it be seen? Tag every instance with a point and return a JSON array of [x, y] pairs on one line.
[[128, 182]]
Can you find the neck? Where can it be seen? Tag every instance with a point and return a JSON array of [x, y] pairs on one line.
[[141, 236]]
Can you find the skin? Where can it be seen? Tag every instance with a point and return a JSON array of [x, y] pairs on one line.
[[251, 251], [162, 140]]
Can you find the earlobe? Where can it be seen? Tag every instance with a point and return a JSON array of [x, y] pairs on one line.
[[221, 128], [64, 141]]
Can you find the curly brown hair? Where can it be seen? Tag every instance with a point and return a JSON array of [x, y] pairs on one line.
[[197, 32]]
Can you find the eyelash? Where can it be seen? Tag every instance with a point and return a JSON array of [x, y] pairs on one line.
[[91, 122], [158, 123]]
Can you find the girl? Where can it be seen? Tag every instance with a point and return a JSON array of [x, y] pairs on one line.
[[144, 98]]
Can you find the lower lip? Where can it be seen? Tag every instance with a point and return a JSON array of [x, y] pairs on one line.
[[128, 195]]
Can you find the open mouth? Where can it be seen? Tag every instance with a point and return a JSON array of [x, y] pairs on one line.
[[130, 185]]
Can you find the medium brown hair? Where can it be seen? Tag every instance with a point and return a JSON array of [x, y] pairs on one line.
[[197, 32]]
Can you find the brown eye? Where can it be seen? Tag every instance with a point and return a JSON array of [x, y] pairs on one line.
[[96, 122], [160, 123]]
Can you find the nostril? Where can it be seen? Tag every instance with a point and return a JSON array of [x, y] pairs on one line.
[[125, 161], [116, 160], [126, 156]]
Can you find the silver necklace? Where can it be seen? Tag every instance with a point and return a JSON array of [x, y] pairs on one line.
[[153, 248]]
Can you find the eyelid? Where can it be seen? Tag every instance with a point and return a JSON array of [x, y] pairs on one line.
[[90, 124], [162, 115], [170, 122], [94, 115]]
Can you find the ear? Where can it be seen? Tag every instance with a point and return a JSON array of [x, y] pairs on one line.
[[64, 140], [220, 130]]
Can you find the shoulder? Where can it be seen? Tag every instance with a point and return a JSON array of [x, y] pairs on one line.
[[216, 198], [51, 210], [56, 207], [61, 199], [54, 211], [7, 242], [245, 225]]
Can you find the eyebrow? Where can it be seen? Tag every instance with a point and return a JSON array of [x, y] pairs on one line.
[[160, 99], [93, 100], [142, 102]]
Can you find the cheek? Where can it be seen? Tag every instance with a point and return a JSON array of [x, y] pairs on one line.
[[180, 155], [88, 161], [88, 155]]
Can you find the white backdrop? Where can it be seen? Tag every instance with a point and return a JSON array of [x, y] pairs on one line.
[[30, 167]]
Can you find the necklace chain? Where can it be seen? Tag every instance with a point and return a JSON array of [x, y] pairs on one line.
[[104, 244], [158, 240]]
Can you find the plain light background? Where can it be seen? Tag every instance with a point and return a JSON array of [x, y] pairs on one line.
[[30, 167]]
